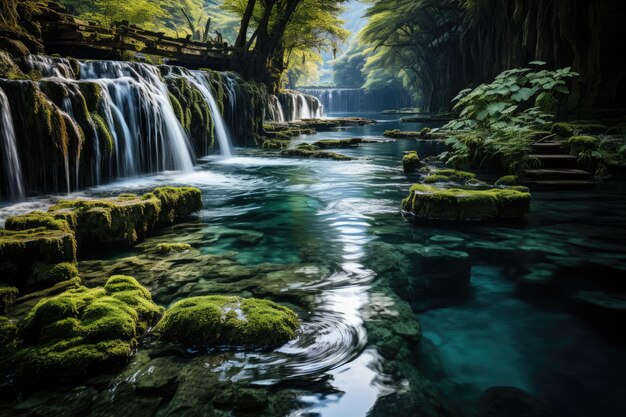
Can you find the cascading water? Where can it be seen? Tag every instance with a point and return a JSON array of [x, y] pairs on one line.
[[148, 136], [221, 131], [297, 106], [275, 109], [8, 152]]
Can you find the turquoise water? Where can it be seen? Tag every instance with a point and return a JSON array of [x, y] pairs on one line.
[[325, 236]]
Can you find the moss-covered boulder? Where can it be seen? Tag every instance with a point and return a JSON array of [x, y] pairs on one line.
[[8, 295], [275, 144], [449, 175], [411, 162], [231, 321], [84, 330], [431, 203], [508, 180]]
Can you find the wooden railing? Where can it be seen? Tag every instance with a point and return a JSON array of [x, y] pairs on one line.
[[68, 33]]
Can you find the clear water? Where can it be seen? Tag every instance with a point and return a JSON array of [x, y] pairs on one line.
[[313, 234]]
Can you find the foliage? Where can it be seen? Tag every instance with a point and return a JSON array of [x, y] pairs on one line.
[[500, 121], [498, 104]]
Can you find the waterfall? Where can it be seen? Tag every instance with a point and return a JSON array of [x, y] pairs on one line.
[[221, 131], [142, 118], [8, 151], [297, 106], [275, 109], [50, 67]]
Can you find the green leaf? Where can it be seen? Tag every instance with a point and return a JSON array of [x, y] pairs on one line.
[[522, 95], [536, 63], [562, 89]]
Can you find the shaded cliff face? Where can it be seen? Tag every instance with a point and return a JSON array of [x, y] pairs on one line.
[[66, 125]]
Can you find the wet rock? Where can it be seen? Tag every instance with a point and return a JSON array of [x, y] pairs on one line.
[[510, 402], [232, 321], [430, 203], [83, 331], [159, 378], [310, 154], [338, 143], [242, 399], [449, 175], [165, 248], [411, 162], [508, 180], [8, 333]]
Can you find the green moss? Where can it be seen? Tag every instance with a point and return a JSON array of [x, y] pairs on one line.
[[128, 218], [8, 333], [399, 134], [338, 143], [508, 180], [308, 147], [178, 109], [431, 203], [34, 220], [104, 134], [166, 248], [46, 275], [92, 94], [411, 162], [8, 295], [20, 249], [304, 153], [568, 129], [177, 202], [275, 144], [449, 175], [85, 330], [233, 321], [581, 144]]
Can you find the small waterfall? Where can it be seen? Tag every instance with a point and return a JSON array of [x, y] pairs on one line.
[[221, 131], [275, 109], [50, 67], [8, 152], [298, 106]]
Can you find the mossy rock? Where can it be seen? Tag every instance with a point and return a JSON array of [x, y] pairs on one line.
[[581, 144], [508, 180], [308, 147], [83, 331], [166, 248], [128, 218], [431, 203], [21, 249], [338, 143], [449, 175], [411, 162], [310, 154], [230, 321], [275, 144], [8, 295], [35, 220]]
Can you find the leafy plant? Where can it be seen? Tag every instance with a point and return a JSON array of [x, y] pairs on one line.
[[507, 99], [506, 116]]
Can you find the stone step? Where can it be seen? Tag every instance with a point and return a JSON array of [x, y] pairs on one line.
[[559, 184], [555, 174], [547, 148], [554, 161]]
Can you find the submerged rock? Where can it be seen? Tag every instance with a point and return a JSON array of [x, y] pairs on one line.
[[431, 203], [166, 248], [411, 162], [84, 330], [234, 321]]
